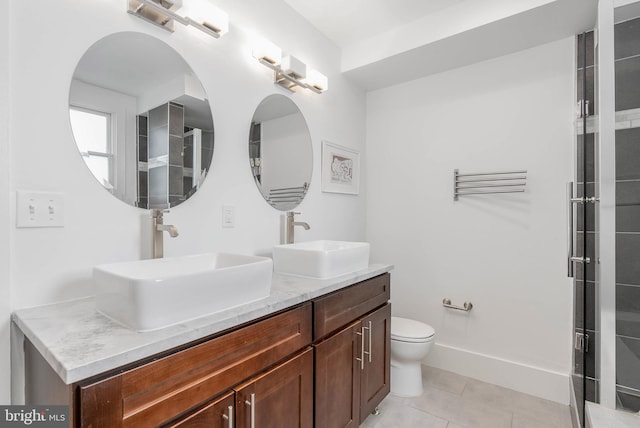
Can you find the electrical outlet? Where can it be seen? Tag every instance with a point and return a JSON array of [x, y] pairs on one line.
[[228, 216], [39, 209]]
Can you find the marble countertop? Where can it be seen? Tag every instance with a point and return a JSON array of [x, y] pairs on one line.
[[78, 342]]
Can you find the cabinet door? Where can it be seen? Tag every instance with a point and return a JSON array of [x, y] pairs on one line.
[[279, 398], [338, 368], [217, 414], [375, 381]]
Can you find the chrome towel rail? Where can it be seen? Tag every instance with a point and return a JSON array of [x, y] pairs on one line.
[[466, 306], [488, 182], [288, 194]]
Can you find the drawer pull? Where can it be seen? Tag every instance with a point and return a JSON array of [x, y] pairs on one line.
[[252, 404], [229, 417]]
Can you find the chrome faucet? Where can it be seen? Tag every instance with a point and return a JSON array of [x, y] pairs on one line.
[[157, 216], [291, 224]]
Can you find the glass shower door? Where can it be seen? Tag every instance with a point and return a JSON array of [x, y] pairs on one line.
[[582, 236]]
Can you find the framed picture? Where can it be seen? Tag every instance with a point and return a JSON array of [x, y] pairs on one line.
[[340, 169]]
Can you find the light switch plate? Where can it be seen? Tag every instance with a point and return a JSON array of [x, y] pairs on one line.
[[39, 209]]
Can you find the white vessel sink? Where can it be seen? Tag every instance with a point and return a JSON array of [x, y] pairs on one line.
[[150, 294], [321, 259]]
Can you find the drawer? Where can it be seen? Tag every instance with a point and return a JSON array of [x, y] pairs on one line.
[[162, 389], [337, 309]]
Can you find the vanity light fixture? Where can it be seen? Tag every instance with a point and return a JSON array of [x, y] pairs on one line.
[[264, 50], [289, 71], [292, 73], [206, 17], [199, 14], [161, 13], [317, 80]]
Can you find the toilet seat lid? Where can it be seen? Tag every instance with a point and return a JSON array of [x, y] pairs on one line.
[[410, 330]]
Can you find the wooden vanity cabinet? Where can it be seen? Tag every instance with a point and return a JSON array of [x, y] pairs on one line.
[[162, 390], [352, 331], [323, 364]]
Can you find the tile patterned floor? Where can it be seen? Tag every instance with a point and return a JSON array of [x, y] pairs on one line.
[[454, 401]]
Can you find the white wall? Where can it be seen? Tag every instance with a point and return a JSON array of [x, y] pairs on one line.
[[504, 253], [5, 228], [51, 265]]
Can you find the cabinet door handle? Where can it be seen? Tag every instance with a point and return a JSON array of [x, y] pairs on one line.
[[361, 359], [252, 404], [370, 345], [229, 417]]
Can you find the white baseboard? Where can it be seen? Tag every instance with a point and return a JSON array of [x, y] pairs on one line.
[[536, 381]]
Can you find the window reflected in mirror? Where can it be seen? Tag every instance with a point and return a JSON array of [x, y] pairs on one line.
[[92, 134]]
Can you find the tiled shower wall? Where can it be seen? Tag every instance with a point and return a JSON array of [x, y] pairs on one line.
[[627, 68], [143, 148]]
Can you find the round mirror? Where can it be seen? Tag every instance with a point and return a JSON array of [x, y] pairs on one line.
[[141, 120], [280, 152]]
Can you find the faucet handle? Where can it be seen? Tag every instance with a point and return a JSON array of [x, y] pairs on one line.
[[158, 212]]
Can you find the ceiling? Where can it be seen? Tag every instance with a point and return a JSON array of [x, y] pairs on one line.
[[387, 42], [346, 21], [115, 63]]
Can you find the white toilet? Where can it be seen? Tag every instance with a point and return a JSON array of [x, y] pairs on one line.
[[410, 342]]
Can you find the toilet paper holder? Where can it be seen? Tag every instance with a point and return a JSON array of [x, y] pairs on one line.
[[466, 306]]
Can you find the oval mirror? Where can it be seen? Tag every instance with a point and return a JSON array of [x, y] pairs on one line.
[[280, 152], [141, 120]]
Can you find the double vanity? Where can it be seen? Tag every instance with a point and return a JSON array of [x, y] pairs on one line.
[[312, 352], [218, 340]]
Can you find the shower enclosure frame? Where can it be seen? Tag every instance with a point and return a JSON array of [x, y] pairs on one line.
[[606, 208], [611, 388]]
